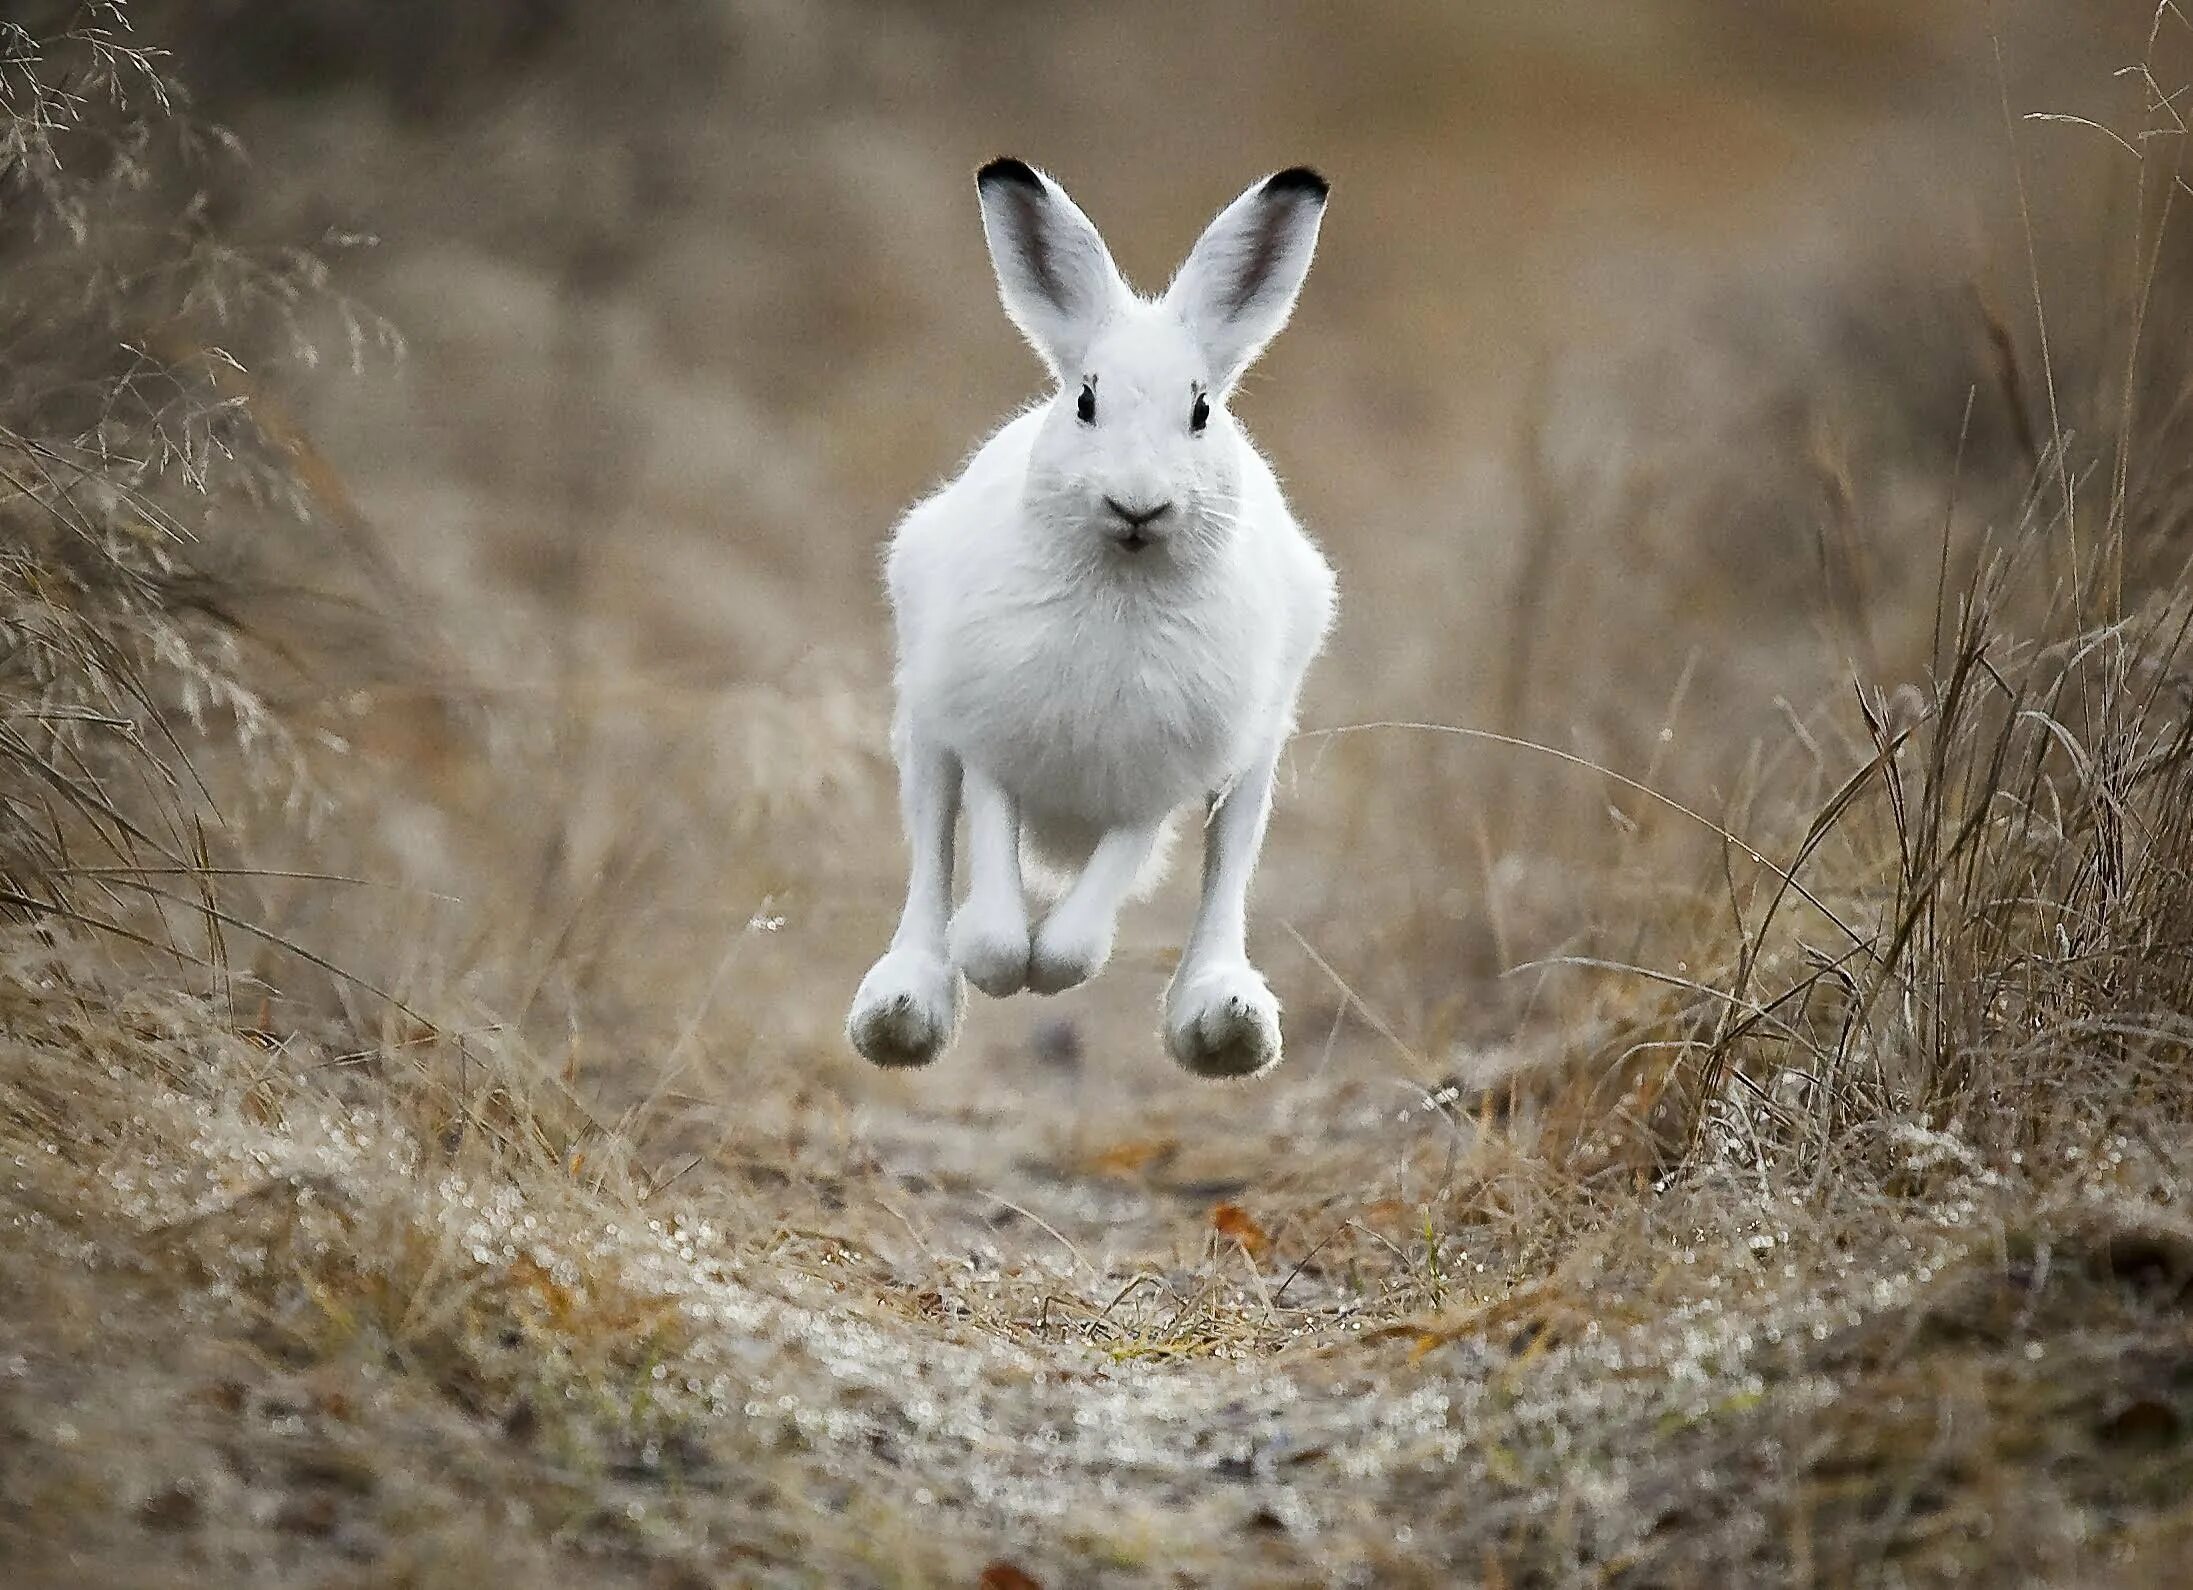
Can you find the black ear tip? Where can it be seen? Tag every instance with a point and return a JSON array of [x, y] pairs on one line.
[[1006, 169], [1299, 180]]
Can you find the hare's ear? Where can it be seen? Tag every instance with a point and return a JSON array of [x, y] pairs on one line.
[[1240, 280], [1055, 275]]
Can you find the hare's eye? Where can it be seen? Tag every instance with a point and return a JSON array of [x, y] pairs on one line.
[[1085, 406], [1200, 415]]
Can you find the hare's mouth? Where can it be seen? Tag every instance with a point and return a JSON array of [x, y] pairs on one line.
[[1130, 523]]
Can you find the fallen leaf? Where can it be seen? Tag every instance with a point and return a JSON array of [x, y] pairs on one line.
[[1125, 1159], [1002, 1575], [1231, 1220]]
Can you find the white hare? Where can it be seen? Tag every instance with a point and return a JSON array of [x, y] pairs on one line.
[[1105, 617]]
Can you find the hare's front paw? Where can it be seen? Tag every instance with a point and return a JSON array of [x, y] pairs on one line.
[[1222, 1021], [991, 947], [906, 1009], [1069, 950]]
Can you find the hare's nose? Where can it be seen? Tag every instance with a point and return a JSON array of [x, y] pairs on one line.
[[1138, 518]]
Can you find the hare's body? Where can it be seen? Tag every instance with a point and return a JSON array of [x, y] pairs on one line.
[[1099, 695], [1105, 617]]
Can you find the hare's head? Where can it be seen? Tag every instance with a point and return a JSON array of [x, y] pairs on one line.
[[1136, 449]]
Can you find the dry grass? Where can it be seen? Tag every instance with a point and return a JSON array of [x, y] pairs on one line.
[[1765, 1157]]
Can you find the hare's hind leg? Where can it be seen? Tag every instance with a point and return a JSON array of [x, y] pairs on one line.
[[907, 1008], [989, 936], [1220, 1017], [1076, 938]]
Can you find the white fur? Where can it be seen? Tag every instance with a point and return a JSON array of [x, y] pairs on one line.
[[1077, 678]]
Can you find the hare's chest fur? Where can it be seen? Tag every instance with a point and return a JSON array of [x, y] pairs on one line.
[[1113, 710]]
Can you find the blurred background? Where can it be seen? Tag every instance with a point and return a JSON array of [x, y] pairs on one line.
[[693, 302]]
